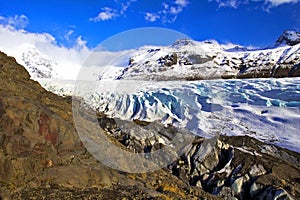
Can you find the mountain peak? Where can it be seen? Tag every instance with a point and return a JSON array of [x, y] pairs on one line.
[[38, 64], [290, 38], [183, 42]]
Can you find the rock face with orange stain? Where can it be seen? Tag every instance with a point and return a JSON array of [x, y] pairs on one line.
[[48, 128], [35, 134]]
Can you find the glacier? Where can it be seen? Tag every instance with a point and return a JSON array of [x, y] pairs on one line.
[[266, 109]]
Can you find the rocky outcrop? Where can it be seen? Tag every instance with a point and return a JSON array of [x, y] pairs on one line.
[[38, 141], [168, 60], [42, 157], [290, 38], [228, 167]]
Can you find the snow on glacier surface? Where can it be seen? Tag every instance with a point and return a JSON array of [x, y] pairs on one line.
[[267, 109]]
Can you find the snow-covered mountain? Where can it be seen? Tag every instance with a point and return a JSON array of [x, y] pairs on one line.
[[46, 59], [37, 64], [290, 38], [192, 60], [184, 60]]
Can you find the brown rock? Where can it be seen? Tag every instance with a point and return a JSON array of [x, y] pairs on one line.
[[41, 155]]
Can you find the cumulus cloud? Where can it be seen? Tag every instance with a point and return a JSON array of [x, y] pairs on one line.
[[265, 3], [105, 14], [170, 11], [11, 37], [17, 21]]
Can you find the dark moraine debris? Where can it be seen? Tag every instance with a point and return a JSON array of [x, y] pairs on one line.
[[227, 167]]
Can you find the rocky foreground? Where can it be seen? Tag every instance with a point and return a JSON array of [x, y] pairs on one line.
[[42, 156]]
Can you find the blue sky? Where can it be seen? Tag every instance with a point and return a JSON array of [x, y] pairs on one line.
[[244, 22]]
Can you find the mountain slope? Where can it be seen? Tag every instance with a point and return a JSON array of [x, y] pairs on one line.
[[41, 155], [191, 60], [290, 38], [38, 65]]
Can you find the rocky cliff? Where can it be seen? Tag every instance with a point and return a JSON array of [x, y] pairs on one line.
[[42, 157], [237, 167]]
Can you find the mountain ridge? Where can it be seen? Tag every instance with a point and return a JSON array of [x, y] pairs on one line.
[[195, 60], [192, 60], [42, 156]]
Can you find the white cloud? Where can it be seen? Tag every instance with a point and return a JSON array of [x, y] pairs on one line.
[[17, 21], [126, 5], [166, 6], [182, 3], [169, 13], [12, 37], [15, 42], [110, 13], [227, 3], [106, 14], [151, 17], [175, 11], [69, 61], [68, 34], [279, 2], [80, 43], [237, 3]]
